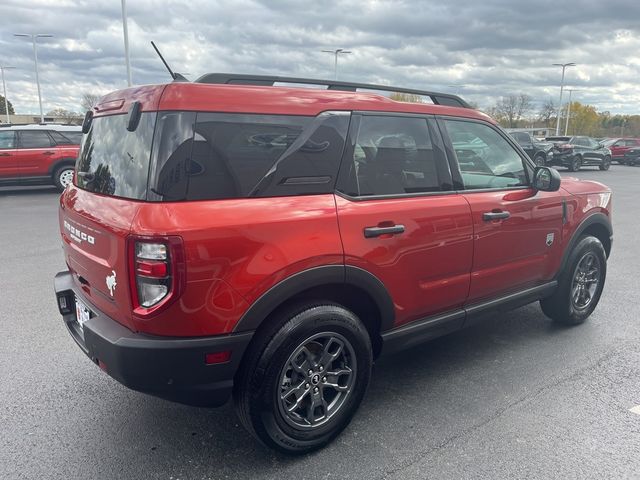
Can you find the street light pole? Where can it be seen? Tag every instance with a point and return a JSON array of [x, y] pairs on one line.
[[126, 41], [564, 66], [566, 125], [34, 36], [4, 89], [336, 52]]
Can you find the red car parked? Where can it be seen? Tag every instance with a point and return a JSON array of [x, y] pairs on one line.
[[38, 154], [231, 237], [620, 146]]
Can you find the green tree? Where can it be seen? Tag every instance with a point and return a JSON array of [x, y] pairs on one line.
[[2, 110], [584, 120]]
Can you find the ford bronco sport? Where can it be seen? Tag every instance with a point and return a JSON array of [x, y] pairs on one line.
[[234, 237]]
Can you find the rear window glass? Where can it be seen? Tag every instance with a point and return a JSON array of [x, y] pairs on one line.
[[114, 161], [232, 153]]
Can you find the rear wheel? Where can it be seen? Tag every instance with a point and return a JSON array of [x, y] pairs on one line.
[[606, 163], [575, 164], [63, 176], [580, 285], [302, 382]]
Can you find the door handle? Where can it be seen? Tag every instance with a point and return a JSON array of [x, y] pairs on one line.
[[5, 154], [371, 232], [488, 216], [48, 153]]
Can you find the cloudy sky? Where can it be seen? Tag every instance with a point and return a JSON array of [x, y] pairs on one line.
[[481, 49]]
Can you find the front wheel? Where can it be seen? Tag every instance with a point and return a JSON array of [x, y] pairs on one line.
[[63, 176], [576, 163], [606, 163], [579, 285], [304, 378]]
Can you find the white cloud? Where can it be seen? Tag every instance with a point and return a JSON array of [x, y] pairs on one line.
[[493, 48]]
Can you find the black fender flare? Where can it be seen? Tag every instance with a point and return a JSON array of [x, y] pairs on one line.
[[597, 218], [62, 162], [318, 277]]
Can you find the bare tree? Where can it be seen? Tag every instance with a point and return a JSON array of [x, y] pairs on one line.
[[89, 100], [513, 108], [547, 111], [65, 115]]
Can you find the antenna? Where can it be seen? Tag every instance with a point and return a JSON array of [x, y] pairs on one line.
[[176, 76]]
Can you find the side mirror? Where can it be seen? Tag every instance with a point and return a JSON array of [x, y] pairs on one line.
[[546, 179]]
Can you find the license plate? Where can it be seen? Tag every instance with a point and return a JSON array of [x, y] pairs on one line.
[[82, 313]]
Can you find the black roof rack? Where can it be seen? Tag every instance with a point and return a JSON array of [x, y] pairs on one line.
[[269, 80]]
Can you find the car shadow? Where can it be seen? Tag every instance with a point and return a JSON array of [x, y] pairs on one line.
[[32, 190], [432, 369]]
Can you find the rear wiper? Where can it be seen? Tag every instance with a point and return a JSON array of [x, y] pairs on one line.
[[86, 176]]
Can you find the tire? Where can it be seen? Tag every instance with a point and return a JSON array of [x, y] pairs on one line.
[[303, 336], [539, 160], [576, 163], [63, 176], [569, 304], [606, 163]]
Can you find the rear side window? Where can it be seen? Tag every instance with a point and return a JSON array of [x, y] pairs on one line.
[[394, 155], [66, 138], [485, 158], [34, 139], [208, 156], [7, 139], [231, 153], [114, 161]]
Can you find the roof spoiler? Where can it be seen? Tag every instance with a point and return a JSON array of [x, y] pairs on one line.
[[268, 80]]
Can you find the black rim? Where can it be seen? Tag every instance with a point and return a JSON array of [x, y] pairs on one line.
[[586, 279], [316, 380]]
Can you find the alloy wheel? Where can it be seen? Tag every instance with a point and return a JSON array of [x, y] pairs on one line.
[[316, 380], [586, 279]]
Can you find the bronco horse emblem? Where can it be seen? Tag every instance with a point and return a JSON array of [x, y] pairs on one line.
[[111, 282]]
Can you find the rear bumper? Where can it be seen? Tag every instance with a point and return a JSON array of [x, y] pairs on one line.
[[559, 159], [166, 367]]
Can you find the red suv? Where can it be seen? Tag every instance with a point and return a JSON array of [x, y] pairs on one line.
[[620, 146], [232, 237], [38, 154]]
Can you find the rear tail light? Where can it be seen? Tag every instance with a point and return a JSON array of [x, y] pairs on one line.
[[157, 272]]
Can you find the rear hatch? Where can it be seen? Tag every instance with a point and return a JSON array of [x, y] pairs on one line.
[[560, 144], [96, 214]]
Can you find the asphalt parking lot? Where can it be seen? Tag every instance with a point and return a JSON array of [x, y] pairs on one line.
[[513, 397]]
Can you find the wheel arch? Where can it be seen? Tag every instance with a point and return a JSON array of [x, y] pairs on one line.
[[352, 287], [596, 224], [63, 162]]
